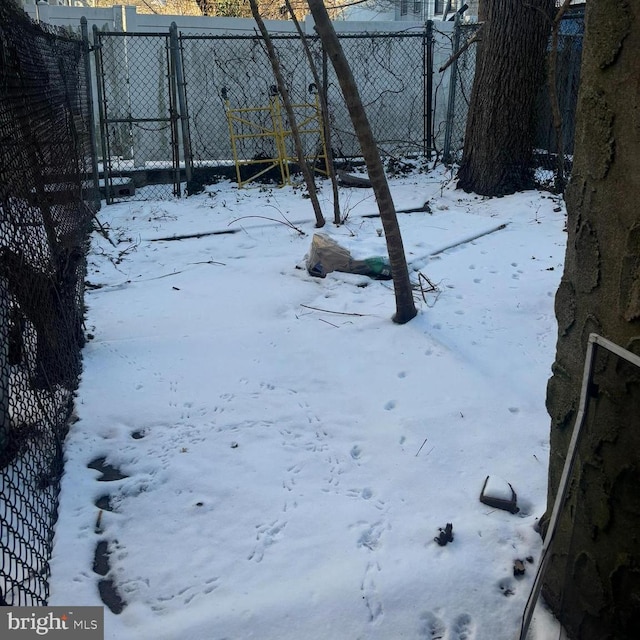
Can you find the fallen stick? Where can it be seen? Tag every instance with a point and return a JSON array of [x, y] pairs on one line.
[[349, 180], [470, 239], [188, 236], [425, 208], [340, 313]]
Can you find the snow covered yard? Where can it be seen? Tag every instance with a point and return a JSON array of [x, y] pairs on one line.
[[289, 454]]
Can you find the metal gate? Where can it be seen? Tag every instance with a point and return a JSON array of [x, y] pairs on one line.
[[139, 115]]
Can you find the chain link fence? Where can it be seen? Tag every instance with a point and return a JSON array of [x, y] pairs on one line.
[[165, 101], [391, 72], [48, 195], [234, 73], [462, 72], [165, 113], [137, 101], [233, 76]]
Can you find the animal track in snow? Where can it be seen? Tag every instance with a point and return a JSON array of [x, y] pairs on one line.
[[431, 626], [266, 535], [365, 494], [370, 537], [335, 470], [211, 585], [507, 587], [370, 593], [463, 627], [289, 482]]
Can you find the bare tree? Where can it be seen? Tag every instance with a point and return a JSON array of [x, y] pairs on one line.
[[324, 114], [291, 116], [405, 307], [498, 146], [593, 577]]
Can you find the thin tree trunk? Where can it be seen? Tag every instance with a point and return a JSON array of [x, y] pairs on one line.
[[405, 307], [324, 111], [295, 132]]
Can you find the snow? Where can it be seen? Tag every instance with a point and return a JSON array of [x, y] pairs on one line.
[[498, 488], [291, 454]]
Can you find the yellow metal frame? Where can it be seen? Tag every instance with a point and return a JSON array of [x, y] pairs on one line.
[[309, 125]]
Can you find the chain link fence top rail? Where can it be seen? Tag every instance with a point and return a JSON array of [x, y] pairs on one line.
[[46, 205]]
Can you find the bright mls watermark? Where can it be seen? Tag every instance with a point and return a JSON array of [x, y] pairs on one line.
[[69, 623]]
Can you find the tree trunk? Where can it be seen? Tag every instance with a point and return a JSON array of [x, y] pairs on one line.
[[324, 114], [498, 145], [291, 116], [405, 307], [593, 580]]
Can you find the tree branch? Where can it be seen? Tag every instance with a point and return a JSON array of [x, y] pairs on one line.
[[461, 50]]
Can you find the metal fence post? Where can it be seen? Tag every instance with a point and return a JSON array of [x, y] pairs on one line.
[[173, 107], [106, 161], [176, 53], [451, 105], [428, 88], [86, 46]]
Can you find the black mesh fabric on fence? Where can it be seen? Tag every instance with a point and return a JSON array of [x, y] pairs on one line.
[[47, 200]]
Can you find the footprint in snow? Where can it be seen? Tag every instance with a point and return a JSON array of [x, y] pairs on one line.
[[370, 537], [507, 587], [370, 592], [431, 626], [463, 627]]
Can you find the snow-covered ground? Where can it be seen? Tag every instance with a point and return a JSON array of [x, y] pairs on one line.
[[290, 453]]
